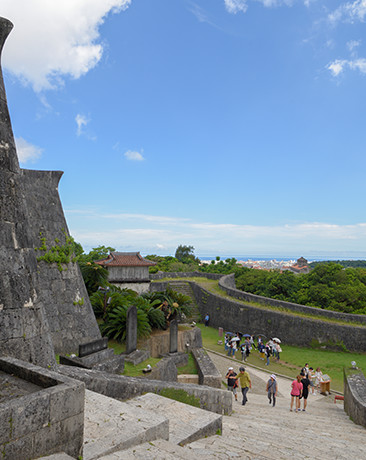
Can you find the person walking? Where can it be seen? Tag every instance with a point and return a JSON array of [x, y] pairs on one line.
[[232, 383], [272, 388], [245, 383], [207, 319], [305, 389], [296, 392]]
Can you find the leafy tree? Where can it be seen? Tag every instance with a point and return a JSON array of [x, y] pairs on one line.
[[115, 327], [185, 254], [94, 276]]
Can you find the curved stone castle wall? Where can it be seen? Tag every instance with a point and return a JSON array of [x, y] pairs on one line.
[[292, 329]]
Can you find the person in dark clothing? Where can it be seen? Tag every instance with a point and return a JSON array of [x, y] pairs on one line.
[[232, 383], [305, 389]]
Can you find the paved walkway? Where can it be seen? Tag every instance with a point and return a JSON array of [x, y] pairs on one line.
[[258, 431]]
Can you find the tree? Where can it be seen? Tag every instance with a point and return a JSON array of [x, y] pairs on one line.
[[185, 254]]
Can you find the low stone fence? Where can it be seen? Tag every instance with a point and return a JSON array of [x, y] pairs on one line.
[[207, 371], [47, 417], [162, 275], [123, 388], [355, 396]]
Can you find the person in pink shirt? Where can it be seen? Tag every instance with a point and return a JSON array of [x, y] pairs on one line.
[[296, 392]]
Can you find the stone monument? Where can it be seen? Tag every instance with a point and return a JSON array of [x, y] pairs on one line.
[[131, 330], [173, 336]]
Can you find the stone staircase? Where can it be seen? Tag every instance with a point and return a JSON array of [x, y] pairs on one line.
[[183, 287], [257, 431]]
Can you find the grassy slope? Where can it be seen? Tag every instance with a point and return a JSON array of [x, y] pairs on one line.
[[294, 358]]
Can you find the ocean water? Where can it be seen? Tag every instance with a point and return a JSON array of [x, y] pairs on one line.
[[309, 257]]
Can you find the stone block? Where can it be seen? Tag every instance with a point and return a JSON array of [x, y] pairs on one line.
[[66, 401], [19, 449], [92, 347], [30, 413]]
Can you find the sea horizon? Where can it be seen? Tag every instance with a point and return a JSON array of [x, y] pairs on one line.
[[278, 257]]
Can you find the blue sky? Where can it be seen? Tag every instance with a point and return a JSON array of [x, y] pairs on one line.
[[234, 126]]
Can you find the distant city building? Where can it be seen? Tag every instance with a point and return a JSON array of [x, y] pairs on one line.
[[128, 270], [301, 266]]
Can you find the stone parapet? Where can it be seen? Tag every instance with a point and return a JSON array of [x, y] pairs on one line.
[[207, 371], [355, 396], [124, 388], [43, 422]]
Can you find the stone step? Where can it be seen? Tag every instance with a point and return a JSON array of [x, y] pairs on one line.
[[111, 425], [184, 287], [186, 423]]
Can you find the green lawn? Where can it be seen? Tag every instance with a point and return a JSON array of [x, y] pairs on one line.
[[190, 368], [136, 371], [293, 358]]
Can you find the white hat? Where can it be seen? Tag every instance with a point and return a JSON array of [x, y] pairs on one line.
[[230, 369], [273, 377]]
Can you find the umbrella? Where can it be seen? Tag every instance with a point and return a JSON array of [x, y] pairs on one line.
[[275, 339], [235, 339], [229, 333], [246, 335]]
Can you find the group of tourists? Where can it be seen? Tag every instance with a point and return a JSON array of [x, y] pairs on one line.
[[304, 384], [245, 344], [243, 379], [233, 381]]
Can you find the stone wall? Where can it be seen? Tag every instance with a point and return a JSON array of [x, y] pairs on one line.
[[42, 309], [44, 422], [355, 396], [123, 388], [294, 330], [67, 307], [24, 331], [227, 283]]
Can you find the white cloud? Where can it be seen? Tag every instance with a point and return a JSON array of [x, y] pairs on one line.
[[81, 122], [350, 11], [134, 156], [162, 233], [353, 44], [235, 6], [27, 153], [337, 67], [52, 40], [358, 64]]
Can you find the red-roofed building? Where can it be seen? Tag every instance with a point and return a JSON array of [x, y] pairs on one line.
[[301, 266], [128, 270]]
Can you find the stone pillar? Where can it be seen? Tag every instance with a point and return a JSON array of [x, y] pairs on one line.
[[173, 329], [131, 330]]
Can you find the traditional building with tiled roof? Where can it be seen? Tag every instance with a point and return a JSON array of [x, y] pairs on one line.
[[128, 270]]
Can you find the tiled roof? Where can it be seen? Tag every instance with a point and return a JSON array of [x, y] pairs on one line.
[[125, 259]]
